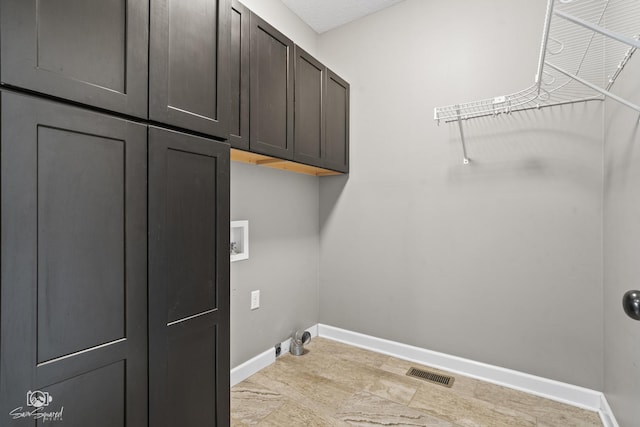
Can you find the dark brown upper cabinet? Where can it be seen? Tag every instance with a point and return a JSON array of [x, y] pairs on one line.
[[91, 52], [271, 129], [283, 102], [309, 123], [189, 50], [239, 76], [336, 155]]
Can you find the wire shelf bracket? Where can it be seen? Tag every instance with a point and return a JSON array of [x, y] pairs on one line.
[[582, 42]]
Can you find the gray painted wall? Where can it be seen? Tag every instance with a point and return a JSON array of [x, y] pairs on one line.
[[499, 261], [282, 209], [622, 248]]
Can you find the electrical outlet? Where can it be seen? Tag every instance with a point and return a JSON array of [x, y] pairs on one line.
[[278, 350], [255, 300]]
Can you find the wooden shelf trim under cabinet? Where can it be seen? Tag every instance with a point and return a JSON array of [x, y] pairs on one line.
[[272, 162]]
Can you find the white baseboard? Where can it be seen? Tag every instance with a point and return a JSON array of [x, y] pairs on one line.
[[606, 414], [555, 390], [250, 367], [562, 392], [264, 359]]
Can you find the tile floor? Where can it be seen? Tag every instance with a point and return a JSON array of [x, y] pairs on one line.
[[338, 385]]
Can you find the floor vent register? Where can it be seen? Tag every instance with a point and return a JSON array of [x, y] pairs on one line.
[[432, 377]]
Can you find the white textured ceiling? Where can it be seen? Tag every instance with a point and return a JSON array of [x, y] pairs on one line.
[[323, 15]]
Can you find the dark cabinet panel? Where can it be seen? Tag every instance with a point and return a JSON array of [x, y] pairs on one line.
[[188, 280], [192, 399], [188, 57], [309, 145], [73, 263], [89, 52], [79, 176], [271, 130], [191, 228], [337, 123], [239, 76]]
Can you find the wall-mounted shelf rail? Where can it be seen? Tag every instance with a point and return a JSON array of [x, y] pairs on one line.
[[585, 46]]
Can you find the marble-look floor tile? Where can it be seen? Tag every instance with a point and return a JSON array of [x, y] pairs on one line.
[[334, 384], [444, 403], [570, 422], [365, 409], [317, 393], [251, 402], [236, 423], [548, 412], [392, 387], [386, 385], [293, 414]]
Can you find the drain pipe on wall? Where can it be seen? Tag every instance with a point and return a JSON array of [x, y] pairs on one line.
[[298, 340]]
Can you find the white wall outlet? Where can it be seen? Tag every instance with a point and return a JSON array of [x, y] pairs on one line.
[[255, 300]]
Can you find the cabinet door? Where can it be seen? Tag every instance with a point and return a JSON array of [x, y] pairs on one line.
[[309, 121], [239, 76], [188, 74], [271, 130], [73, 265], [337, 123], [92, 52], [188, 280]]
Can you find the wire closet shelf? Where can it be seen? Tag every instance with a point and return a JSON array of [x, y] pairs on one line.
[[586, 44]]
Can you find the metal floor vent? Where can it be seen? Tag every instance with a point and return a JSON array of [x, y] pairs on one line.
[[432, 377]]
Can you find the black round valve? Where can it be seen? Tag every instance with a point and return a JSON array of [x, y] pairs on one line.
[[631, 304]]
